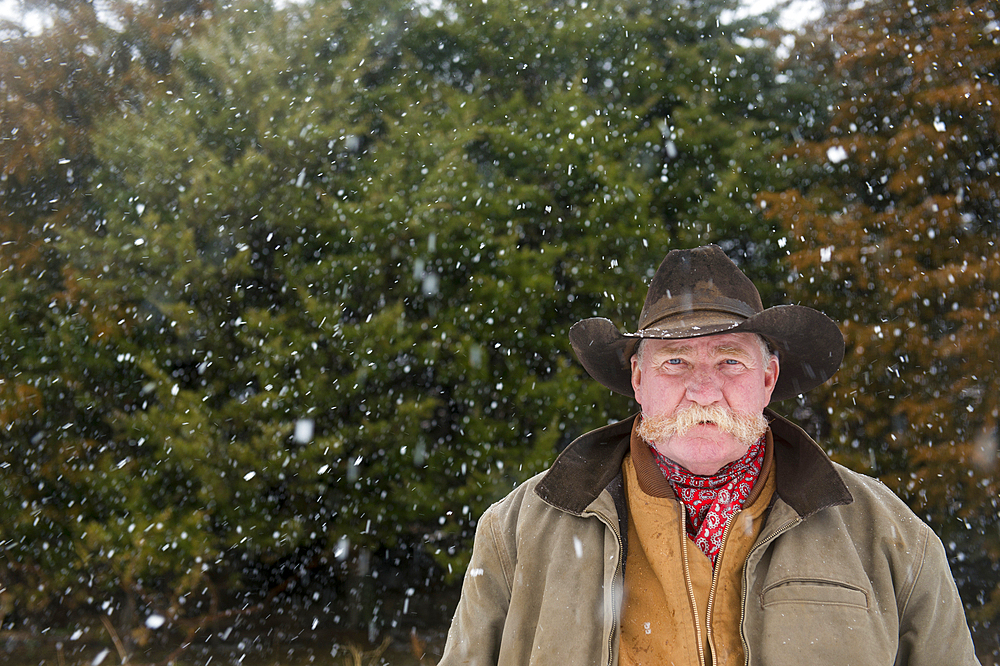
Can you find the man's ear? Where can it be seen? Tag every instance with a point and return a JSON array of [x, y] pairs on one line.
[[771, 372], [636, 376]]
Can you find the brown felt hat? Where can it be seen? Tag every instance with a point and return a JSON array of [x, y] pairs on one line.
[[702, 292]]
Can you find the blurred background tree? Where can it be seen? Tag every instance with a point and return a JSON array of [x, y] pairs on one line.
[[60, 380], [893, 222]]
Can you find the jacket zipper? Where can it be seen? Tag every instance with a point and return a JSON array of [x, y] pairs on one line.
[[614, 606], [690, 585], [746, 587], [618, 568], [715, 580]]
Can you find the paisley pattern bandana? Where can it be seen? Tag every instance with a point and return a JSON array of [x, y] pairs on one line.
[[711, 500]]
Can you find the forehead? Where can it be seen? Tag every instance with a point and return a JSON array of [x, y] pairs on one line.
[[727, 343]]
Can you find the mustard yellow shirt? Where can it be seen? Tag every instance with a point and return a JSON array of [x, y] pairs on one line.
[[676, 608]]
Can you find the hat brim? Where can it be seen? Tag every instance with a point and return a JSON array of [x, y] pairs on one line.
[[809, 344]]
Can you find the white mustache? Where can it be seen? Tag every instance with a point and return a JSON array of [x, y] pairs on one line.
[[747, 428]]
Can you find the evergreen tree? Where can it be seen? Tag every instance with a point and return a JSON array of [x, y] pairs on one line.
[[894, 230], [321, 277], [59, 379]]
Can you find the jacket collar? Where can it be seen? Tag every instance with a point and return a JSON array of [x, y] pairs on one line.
[[806, 478], [586, 467]]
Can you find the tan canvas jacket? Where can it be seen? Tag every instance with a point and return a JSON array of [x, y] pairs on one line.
[[842, 574]]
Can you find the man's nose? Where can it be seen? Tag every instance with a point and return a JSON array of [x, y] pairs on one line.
[[704, 387]]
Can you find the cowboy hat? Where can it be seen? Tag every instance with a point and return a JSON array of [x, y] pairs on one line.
[[702, 292]]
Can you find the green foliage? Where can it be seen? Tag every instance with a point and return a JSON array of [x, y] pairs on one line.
[[895, 229], [316, 292]]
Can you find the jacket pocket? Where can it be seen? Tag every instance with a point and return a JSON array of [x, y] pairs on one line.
[[814, 591]]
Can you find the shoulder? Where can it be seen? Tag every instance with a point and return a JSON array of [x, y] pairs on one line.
[[875, 501], [874, 543], [523, 516], [522, 497], [875, 526], [881, 528], [505, 518]]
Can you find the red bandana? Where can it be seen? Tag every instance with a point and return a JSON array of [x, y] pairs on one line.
[[712, 500]]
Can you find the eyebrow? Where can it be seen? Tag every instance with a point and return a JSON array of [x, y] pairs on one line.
[[683, 349], [718, 350], [732, 351]]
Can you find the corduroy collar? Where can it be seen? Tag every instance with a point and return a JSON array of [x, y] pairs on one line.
[[806, 478]]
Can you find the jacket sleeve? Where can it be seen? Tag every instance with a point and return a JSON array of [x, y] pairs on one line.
[[932, 625], [477, 628]]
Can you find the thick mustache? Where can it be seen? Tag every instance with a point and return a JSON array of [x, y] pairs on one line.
[[743, 426]]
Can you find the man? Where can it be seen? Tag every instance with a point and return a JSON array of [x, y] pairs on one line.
[[706, 530]]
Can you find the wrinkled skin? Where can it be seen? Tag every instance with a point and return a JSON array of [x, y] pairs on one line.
[[726, 370]]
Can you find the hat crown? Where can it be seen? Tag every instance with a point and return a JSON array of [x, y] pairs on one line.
[[699, 280]]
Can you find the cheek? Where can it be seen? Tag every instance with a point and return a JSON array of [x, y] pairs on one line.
[[658, 397], [644, 395], [746, 396]]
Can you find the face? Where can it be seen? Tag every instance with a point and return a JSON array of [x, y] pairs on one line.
[[716, 371]]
